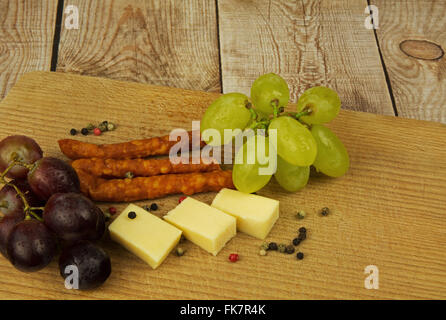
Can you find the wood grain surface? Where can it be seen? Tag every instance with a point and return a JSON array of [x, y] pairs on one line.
[[309, 43], [26, 39], [170, 42], [387, 211], [412, 38]]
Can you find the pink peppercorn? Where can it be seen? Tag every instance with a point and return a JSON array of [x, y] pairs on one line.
[[181, 199], [97, 131], [233, 257]]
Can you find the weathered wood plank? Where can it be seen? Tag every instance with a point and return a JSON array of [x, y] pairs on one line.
[[171, 43], [309, 43], [417, 69], [26, 39]]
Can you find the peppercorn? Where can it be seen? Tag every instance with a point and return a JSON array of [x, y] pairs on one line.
[[302, 236], [181, 199], [301, 214], [299, 255], [84, 131], [325, 211], [289, 249], [281, 247], [233, 257], [129, 175], [111, 126], [112, 210], [146, 207], [105, 123], [153, 207], [180, 251], [272, 246], [296, 241], [101, 127], [264, 246], [90, 127], [132, 215], [262, 252], [302, 230], [73, 132], [97, 131]]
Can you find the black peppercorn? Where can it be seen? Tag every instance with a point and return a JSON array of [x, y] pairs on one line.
[[132, 215], [289, 249], [302, 230], [84, 131], [325, 211], [296, 241], [272, 246], [302, 236], [153, 207], [73, 132], [299, 255]]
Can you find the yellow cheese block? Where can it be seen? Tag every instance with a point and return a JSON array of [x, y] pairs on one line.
[[147, 236], [255, 215], [207, 227]]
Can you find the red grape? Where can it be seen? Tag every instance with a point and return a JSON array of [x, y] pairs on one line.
[[52, 175], [7, 223], [31, 246], [12, 204], [27, 150], [92, 262], [72, 217]]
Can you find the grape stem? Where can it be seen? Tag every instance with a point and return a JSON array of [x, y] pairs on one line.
[[29, 211], [297, 115]]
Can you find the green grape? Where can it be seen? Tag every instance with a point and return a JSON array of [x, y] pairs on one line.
[[292, 178], [248, 161], [295, 144], [332, 157], [323, 102], [226, 112], [268, 88]]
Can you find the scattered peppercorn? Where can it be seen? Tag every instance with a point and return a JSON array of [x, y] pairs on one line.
[[129, 175], [180, 251], [264, 246], [107, 216], [153, 207], [132, 215], [111, 126], [301, 214], [181, 199], [102, 127], [289, 249], [302, 230], [233, 257], [272, 246], [97, 131], [325, 211], [84, 131], [73, 132], [299, 255], [112, 210], [281, 248], [262, 252], [146, 207], [302, 236], [90, 127], [296, 241]]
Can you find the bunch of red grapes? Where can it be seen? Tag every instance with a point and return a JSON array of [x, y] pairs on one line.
[[43, 210]]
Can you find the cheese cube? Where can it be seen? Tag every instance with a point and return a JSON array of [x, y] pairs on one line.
[[255, 215], [207, 227], [147, 236]]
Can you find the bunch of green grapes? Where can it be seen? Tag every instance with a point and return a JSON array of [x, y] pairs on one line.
[[302, 138]]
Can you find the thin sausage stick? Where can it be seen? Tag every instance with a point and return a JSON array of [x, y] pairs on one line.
[[113, 168], [141, 188], [75, 149]]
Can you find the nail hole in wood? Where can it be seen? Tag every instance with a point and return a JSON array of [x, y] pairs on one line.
[[422, 49]]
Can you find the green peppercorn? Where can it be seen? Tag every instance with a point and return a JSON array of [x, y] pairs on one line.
[[262, 252], [301, 214], [264, 246], [146, 207], [129, 175], [111, 126], [131, 215], [180, 251], [325, 211], [102, 127], [90, 127], [289, 249], [299, 255], [272, 246], [281, 248]]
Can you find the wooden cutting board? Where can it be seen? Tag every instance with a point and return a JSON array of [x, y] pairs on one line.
[[388, 211]]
